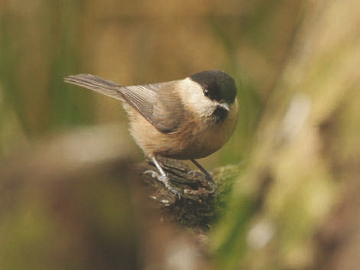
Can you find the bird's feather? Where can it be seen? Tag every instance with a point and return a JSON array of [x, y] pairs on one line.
[[158, 103]]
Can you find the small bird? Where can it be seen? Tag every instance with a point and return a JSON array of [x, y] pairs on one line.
[[184, 119]]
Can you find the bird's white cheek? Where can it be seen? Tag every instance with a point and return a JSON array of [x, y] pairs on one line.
[[193, 97], [201, 105]]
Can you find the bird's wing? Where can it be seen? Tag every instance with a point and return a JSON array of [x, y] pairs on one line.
[[157, 103]]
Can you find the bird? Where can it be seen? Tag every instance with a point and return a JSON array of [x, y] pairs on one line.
[[184, 119]]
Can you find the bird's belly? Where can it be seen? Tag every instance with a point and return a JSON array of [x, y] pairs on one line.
[[186, 143], [197, 144], [198, 139]]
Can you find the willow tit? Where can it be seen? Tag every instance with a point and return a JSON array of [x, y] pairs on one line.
[[182, 119]]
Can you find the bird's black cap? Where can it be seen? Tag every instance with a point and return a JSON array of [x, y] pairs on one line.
[[217, 85]]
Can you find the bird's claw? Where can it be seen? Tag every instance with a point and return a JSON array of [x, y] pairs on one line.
[[151, 173], [207, 179], [166, 181]]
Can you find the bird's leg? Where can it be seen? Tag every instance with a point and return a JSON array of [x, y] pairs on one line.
[[163, 178], [208, 177]]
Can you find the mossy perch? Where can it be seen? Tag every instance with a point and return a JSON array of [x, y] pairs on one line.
[[199, 205]]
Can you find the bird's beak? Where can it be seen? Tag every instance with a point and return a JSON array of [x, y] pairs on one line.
[[225, 106]]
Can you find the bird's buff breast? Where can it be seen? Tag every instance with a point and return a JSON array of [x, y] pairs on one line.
[[188, 142]]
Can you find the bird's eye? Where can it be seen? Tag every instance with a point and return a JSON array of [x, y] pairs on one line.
[[206, 92]]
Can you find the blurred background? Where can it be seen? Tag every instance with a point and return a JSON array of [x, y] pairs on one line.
[[132, 43], [294, 200]]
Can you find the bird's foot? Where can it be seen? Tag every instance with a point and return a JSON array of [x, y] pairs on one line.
[[166, 181], [210, 182], [205, 179]]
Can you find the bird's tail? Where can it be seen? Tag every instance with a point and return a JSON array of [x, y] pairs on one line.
[[96, 84]]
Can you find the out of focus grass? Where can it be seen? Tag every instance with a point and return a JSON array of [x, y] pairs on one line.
[[129, 43], [277, 51], [39, 46]]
